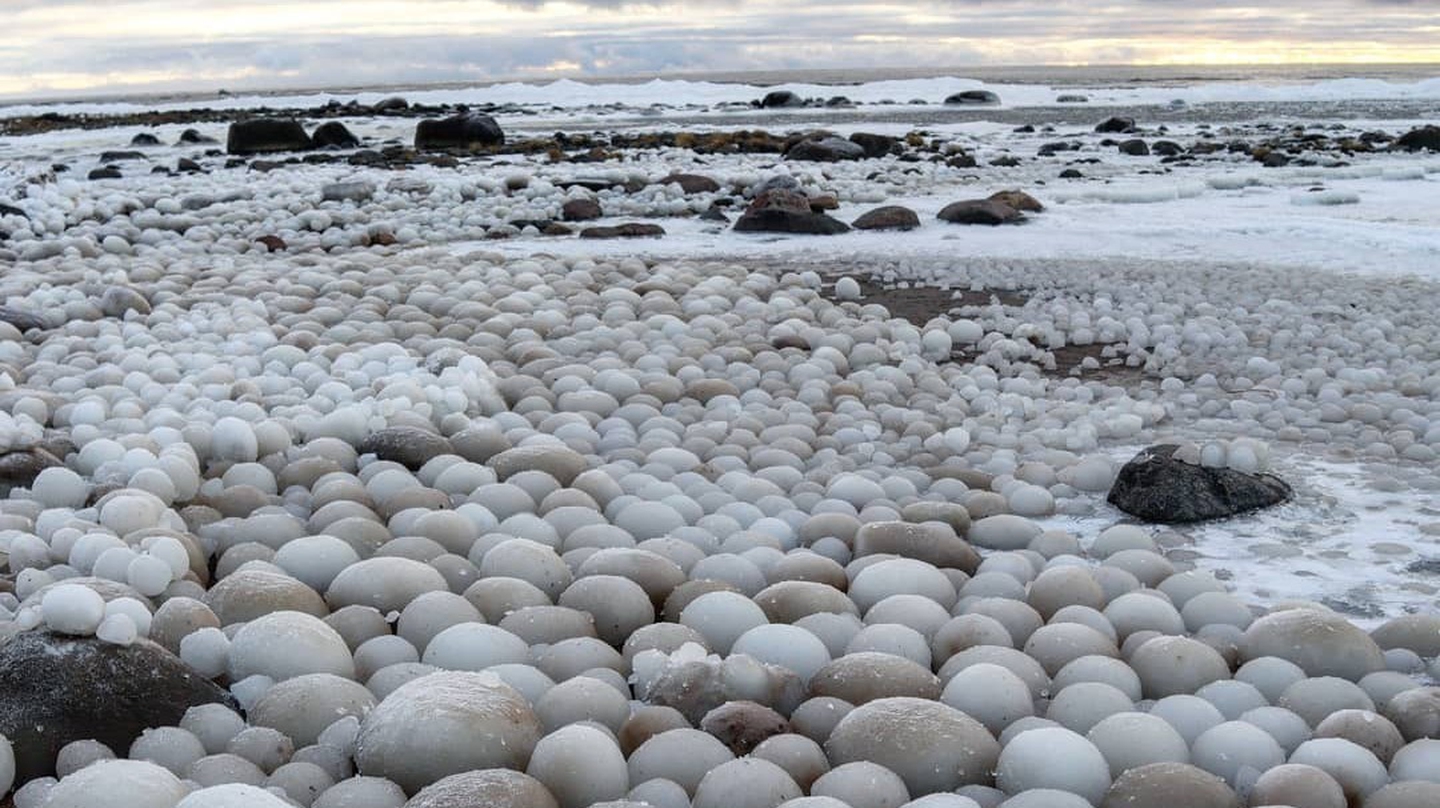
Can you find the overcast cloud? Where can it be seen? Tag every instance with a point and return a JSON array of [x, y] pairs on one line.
[[52, 47]]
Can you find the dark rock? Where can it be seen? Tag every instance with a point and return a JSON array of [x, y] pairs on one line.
[[334, 135], [356, 191], [825, 150], [824, 202], [144, 139], [23, 320], [1116, 125], [779, 182], [55, 690], [781, 210], [743, 725], [875, 145], [392, 104], [1005, 161], [262, 135], [1273, 159], [1018, 200], [626, 230], [272, 243], [980, 211], [1158, 488], [837, 101], [889, 217], [580, 210], [105, 173], [186, 164], [781, 98], [1425, 137], [468, 130], [1134, 147], [21, 467], [1071, 174], [117, 300], [714, 214], [409, 446], [691, 183], [555, 229], [11, 210], [968, 97], [1166, 148], [193, 136], [1071, 99]]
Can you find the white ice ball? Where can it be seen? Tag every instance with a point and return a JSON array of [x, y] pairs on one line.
[[1052, 757], [73, 609]]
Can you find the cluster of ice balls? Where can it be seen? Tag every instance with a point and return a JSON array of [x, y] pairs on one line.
[[811, 561]]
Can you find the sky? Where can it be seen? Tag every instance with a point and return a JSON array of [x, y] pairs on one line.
[[99, 47]]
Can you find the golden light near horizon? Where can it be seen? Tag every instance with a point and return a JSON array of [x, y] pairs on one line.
[[134, 45]]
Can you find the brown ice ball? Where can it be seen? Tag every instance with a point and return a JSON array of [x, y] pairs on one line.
[[492, 788], [619, 605], [801, 757], [1322, 643], [931, 746], [1415, 712], [446, 723], [645, 723], [1316, 698], [1171, 665], [1058, 587], [1297, 784], [1169, 785], [304, 706], [497, 597], [866, 676], [1056, 645]]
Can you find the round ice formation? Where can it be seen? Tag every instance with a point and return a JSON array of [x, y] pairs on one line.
[[281, 645], [232, 795], [7, 765], [580, 765], [73, 609], [1053, 758], [446, 723], [118, 783]]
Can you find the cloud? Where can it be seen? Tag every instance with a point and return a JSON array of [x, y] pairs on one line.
[[203, 44]]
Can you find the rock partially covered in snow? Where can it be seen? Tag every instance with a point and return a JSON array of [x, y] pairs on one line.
[[54, 690], [1158, 487], [443, 724]]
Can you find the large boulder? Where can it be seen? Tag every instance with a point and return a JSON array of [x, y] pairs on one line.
[[56, 689], [972, 97], [1160, 488], [409, 446], [334, 135], [825, 150], [262, 135], [887, 217], [782, 210], [781, 98], [1425, 138], [980, 211], [467, 130]]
